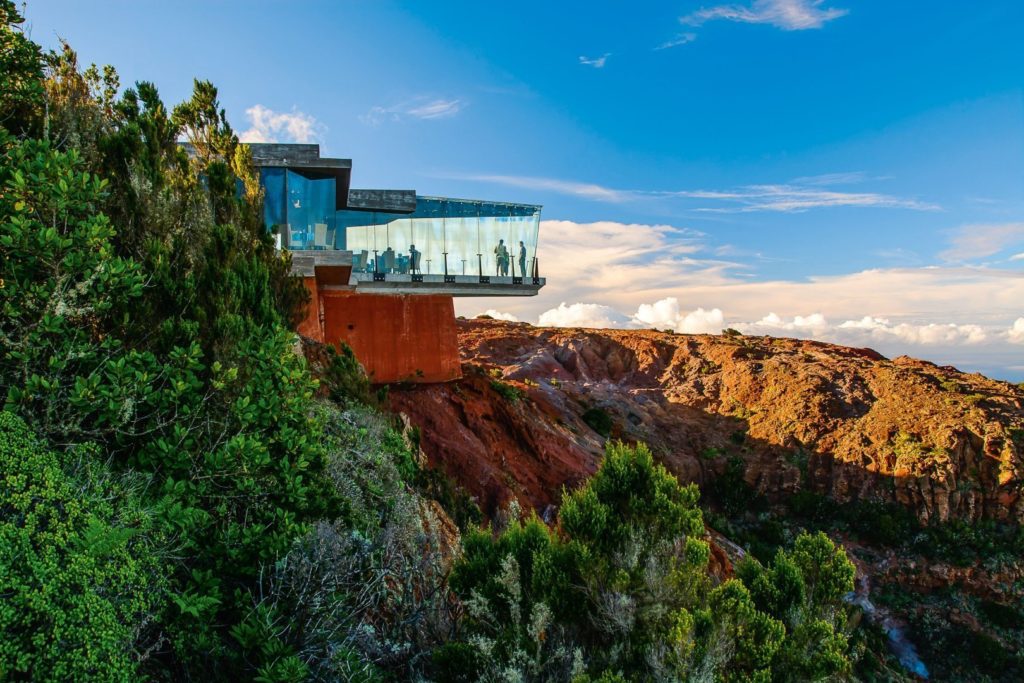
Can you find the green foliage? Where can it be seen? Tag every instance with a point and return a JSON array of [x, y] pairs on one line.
[[364, 592], [731, 491], [599, 420], [955, 541], [950, 385], [166, 345], [622, 586], [803, 588], [74, 570], [433, 483], [345, 379], [21, 64], [510, 393], [629, 493]]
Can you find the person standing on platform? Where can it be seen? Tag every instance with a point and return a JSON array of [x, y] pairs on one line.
[[522, 259], [414, 260], [501, 254]]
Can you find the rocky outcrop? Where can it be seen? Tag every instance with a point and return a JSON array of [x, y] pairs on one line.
[[846, 422]]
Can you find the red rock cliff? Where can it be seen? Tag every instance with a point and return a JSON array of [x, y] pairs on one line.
[[945, 443]]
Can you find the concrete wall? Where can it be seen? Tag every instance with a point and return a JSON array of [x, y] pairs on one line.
[[397, 338]]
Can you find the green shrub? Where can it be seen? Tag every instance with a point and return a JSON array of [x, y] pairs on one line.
[[733, 493], [599, 420], [1003, 616], [621, 585], [80, 580], [346, 381], [510, 393]]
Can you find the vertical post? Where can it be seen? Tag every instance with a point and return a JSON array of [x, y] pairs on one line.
[[375, 259], [444, 239]]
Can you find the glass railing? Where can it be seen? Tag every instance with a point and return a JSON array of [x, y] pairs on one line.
[[444, 236]]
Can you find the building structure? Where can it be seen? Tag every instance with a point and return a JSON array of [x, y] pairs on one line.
[[382, 266]]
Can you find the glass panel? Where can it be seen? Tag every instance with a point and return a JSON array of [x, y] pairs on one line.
[[310, 211], [462, 244], [272, 180], [473, 234]]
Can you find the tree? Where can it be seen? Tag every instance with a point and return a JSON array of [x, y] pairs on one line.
[[620, 585], [21, 66], [804, 589]]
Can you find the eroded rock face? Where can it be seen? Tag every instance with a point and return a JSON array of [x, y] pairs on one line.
[[845, 422]]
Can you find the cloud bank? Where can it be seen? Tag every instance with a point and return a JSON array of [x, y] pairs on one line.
[[662, 276]]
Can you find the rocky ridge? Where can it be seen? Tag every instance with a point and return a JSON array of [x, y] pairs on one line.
[[844, 422]]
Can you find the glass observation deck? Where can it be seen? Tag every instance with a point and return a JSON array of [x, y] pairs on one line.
[[394, 235], [443, 236]]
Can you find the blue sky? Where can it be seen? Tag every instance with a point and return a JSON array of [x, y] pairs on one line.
[[843, 169]]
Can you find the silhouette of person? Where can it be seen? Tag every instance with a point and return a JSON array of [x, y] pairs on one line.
[[414, 259], [501, 252], [522, 259]]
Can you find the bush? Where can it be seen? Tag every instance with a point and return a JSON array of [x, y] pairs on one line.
[[364, 593], [81, 582], [508, 392], [620, 585], [599, 420]]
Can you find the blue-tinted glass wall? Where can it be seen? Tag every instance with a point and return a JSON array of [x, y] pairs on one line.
[[300, 208], [274, 214]]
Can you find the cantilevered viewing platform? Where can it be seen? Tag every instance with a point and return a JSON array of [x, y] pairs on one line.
[[382, 266], [393, 241]]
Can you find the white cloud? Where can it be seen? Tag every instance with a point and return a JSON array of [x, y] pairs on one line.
[[423, 108], [498, 315], [565, 187], [813, 325], [790, 15], [745, 199], [1016, 332], [1018, 257], [867, 330], [267, 125], [596, 62], [845, 178], [796, 198], [436, 109], [880, 329], [583, 315], [981, 240], [666, 313], [680, 39]]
